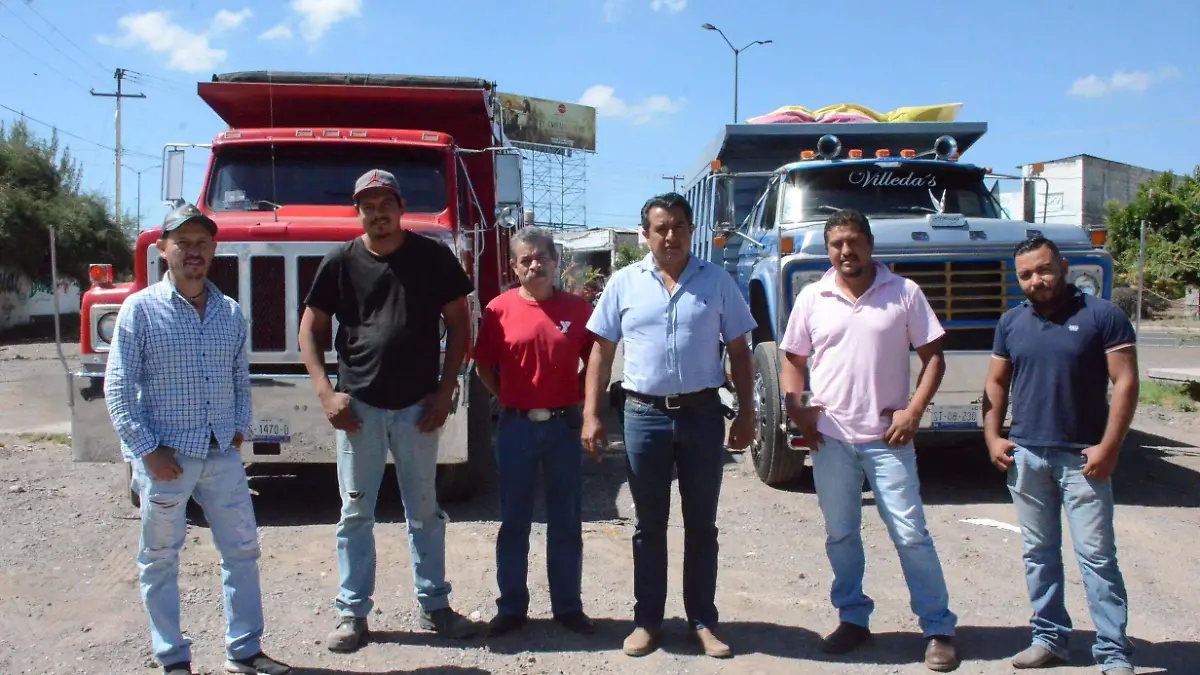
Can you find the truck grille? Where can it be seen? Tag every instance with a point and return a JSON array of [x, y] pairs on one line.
[[270, 281], [961, 290]]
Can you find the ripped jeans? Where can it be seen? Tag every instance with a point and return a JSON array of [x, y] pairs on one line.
[[361, 460], [218, 484]]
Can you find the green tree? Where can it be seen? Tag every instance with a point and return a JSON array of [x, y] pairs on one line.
[[1170, 205], [39, 187], [627, 255]]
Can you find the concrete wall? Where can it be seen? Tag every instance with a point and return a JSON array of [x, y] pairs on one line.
[[1078, 188], [1105, 181], [22, 300]]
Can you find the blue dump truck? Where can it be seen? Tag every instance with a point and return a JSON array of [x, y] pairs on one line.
[[762, 192]]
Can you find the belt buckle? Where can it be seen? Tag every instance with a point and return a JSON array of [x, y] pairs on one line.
[[539, 415], [667, 402]]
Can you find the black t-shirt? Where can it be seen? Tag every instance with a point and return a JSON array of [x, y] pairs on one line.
[[1060, 369], [388, 308]]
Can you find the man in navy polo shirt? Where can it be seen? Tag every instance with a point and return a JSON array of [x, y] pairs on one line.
[[1058, 350]]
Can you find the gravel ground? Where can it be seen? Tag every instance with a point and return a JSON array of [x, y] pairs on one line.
[[69, 598]]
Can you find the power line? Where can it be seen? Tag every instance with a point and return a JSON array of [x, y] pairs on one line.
[[38, 33], [29, 6], [77, 137], [35, 57]]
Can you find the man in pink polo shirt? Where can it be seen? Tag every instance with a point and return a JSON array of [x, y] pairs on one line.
[[852, 330]]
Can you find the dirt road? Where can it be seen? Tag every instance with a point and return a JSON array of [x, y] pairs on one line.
[[69, 599]]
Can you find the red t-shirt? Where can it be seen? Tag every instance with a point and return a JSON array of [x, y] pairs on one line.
[[536, 348]]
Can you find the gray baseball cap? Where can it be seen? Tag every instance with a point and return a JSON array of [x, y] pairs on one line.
[[184, 214], [376, 178]]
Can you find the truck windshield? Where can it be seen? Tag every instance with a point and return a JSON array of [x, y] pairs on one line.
[[320, 175], [886, 190]]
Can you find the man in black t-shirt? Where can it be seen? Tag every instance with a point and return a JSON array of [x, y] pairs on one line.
[[388, 290], [1058, 351]]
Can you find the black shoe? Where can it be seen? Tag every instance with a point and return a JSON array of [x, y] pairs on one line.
[[502, 624], [181, 668], [259, 664], [576, 622], [846, 638], [448, 623], [349, 634]]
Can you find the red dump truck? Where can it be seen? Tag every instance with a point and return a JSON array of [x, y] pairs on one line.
[[278, 185]]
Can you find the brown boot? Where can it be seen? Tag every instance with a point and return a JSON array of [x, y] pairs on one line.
[[641, 642], [712, 646], [1036, 656], [940, 654]]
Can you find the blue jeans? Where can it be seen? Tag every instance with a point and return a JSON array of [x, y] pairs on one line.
[[1044, 481], [361, 461], [692, 442], [838, 470], [218, 484], [521, 446]]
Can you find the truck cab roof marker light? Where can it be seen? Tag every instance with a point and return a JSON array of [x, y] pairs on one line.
[[231, 134], [808, 154], [908, 153], [304, 133], [854, 154], [883, 153], [358, 133], [715, 165], [332, 133], [431, 138], [101, 275]]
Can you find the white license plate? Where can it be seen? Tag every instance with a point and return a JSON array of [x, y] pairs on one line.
[[272, 431], [955, 417]]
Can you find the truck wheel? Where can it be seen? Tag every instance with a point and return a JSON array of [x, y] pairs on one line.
[[460, 482], [774, 461]]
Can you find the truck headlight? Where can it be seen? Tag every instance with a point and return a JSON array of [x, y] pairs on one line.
[[1087, 278], [106, 326], [802, 278]]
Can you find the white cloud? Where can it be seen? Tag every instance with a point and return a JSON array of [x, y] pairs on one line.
[[227, 20], [604, 99], [674, 6], [318, 16], [280, 32], [1095, 86], [186, 51], [612, 10]]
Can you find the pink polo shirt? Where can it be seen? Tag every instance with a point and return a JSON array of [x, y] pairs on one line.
[[858, 352]]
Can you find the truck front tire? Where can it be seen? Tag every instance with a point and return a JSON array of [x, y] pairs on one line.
[[775, 462], [460, 482]]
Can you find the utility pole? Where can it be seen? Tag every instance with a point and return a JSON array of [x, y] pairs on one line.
[[120, 75], [736, 53], [674, 181], [139, 189]]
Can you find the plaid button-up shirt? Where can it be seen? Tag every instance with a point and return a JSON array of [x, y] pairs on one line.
[[174, 379]]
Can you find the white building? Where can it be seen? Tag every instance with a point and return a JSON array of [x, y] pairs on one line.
[[1076, 189]]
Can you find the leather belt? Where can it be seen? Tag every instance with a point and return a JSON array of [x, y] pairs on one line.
[[538, 414], [677, 401]]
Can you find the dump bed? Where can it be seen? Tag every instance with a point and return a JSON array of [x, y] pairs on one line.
[[460, 107], [765, 147]]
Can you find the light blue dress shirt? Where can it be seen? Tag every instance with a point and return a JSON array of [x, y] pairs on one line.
[[671, 339], [174, 379]]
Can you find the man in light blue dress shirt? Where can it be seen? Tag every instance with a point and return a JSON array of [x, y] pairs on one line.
[[177, 385], [672, 310]]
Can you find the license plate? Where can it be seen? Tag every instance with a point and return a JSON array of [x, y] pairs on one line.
[[955, 417], [272, 431]]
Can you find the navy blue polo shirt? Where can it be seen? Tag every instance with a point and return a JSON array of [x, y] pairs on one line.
[[1060, 369]]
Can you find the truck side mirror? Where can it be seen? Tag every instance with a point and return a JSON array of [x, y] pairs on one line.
[[508, 180], [172, 185]]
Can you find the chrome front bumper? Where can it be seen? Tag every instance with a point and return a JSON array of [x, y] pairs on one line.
[[289, 419]]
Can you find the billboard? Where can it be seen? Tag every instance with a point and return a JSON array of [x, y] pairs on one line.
[[538, 121]]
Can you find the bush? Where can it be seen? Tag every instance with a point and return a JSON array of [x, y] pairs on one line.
[[1152, 305]]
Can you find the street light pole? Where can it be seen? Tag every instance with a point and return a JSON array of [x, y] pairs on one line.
[[139, 189], [736, 53]]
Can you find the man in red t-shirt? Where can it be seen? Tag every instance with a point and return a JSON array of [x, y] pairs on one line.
[[531, 343]]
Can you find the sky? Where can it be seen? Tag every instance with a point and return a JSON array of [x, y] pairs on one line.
[[1111, 78]]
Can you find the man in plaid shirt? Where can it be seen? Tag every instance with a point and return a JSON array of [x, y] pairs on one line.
[[177, 385]]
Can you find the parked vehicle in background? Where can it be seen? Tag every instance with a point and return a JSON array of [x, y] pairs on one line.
[[278, 185], [762, 193]]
